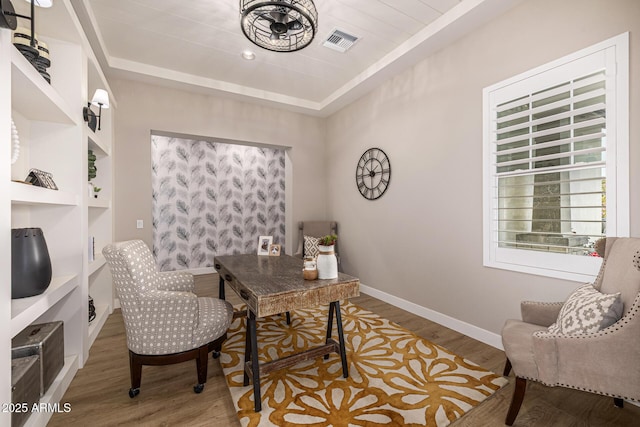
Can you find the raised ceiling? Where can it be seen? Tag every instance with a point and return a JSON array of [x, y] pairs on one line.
[[197, 45]]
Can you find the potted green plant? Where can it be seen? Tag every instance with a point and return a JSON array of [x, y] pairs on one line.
[[328, 240]]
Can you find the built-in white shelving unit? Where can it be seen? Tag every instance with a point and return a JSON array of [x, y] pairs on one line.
[[55, 138]]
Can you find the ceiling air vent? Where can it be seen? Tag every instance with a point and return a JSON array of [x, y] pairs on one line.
[[340, 41]]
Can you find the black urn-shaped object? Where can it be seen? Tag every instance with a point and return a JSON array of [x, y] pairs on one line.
[[30, 263]]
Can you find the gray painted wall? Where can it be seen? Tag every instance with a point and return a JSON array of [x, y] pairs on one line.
[[422, 241]]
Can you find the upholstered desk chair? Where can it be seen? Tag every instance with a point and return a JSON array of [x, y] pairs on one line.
[[579, 350], [315, 230], [165, 321]]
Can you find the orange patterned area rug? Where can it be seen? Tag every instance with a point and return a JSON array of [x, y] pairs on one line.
[[395, 378]]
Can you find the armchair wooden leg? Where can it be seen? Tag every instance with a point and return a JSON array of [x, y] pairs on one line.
[[201, 365], [288, 318], [516, 400], [507, 368], [135, 370], [619, 403]]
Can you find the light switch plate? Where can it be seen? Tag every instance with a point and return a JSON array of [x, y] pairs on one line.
[[139, 224]]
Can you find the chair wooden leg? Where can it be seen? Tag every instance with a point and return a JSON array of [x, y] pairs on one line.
[[516, 400], [507, 368], [201, 365], [619, 403], [288, 318], [135, 370]]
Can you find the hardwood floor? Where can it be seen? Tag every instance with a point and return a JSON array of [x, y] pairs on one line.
[[99, 392]]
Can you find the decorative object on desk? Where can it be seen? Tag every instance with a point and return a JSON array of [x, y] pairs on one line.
[[310, 270], [279, 25], [373, 173], [30, 263], [264, 242], [327, 261], [15, 143], [274, 250], [41, 178], [101, 100], [92, 310], [47, 341], [396, 377]]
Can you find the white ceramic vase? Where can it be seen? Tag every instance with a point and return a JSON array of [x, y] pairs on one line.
[[327, 263]]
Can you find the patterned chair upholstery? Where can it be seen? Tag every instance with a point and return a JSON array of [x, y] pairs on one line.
[[165, 321], [603, 362]]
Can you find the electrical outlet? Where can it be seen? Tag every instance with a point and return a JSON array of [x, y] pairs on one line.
[[139, 224]]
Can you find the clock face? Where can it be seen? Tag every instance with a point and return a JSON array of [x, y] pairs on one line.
[[373, 173]]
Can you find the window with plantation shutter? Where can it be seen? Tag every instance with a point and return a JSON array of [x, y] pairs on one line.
[[556, 163]]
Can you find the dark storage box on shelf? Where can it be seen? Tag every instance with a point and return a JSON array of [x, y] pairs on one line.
[[25, 388], [47, 341]]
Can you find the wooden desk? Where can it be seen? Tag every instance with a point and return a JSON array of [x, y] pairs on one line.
[[272, 285]]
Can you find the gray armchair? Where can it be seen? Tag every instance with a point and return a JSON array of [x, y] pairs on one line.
[[165, 322], [603, 362]]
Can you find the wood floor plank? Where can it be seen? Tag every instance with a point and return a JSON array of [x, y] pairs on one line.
[[99, 392]]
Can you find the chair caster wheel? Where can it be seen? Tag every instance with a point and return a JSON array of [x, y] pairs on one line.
[[198, 388], [215, 354], [133, 392]]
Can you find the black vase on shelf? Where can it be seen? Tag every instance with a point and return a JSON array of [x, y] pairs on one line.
[[30, 263]]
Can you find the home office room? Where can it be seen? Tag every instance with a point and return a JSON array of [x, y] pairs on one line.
[[297, 212]]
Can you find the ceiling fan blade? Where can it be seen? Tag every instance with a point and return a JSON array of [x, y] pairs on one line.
[[294, 25], [266, 16], [279, 16]]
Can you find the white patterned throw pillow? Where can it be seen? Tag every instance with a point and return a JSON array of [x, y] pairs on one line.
[[586, 311], [311, 246]]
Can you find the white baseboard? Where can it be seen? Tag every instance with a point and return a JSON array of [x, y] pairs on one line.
[[482, 335]]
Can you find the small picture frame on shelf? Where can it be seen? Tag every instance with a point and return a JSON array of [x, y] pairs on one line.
[[274, 250], [264, 243]]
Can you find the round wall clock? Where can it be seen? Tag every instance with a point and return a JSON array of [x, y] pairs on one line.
[[373, 173]]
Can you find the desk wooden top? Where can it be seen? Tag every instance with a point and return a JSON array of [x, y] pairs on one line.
[[274, 284]]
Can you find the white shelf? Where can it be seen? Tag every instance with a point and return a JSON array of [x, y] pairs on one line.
[[99, 203], [34, 195], [25, 311], [33, 97], [102, 313], [55, 392], [98, 262], [97, 144]]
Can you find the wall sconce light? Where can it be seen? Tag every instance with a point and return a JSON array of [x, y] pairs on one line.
[[101, 100], [8, 15]]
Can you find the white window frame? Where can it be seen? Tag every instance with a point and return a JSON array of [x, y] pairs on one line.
[[564, 266]]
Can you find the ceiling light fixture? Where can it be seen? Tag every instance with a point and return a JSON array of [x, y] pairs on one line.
[[279, 25], [248, 55]]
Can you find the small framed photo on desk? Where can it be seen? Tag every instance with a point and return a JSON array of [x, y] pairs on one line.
[[264, 244], [274, 250]]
